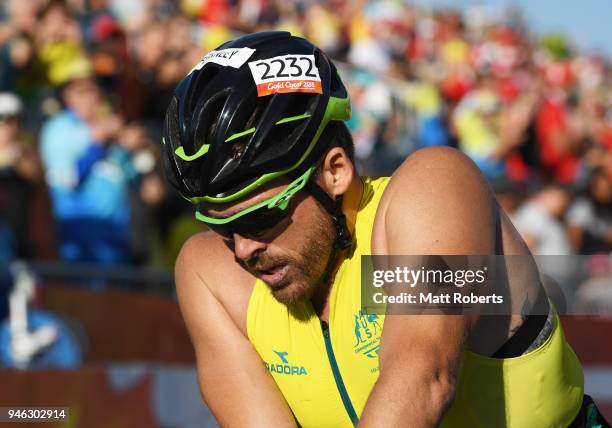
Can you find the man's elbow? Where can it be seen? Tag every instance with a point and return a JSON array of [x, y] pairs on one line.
[[434, 390], [447, 398], [441, 395]]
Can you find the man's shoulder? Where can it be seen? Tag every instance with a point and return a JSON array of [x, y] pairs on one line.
[[437, 197], [209, 281], [208, 257], [434, 171]]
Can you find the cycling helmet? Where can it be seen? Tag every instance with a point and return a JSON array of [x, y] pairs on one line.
[[253, 110]]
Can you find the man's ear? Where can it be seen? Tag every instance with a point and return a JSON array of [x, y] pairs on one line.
[[337, 172]]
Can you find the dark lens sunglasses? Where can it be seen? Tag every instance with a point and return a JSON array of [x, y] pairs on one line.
[[256, 220]]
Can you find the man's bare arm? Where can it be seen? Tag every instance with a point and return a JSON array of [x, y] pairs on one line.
[[436, 203], [232, 378]]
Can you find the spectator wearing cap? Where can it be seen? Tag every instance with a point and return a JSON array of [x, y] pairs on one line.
[[88, 175]]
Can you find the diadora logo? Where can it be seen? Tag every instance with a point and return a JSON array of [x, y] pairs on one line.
[[367, 334], [282, 356], [284, 367]]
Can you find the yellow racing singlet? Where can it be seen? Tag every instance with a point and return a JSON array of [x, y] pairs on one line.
[[327, 374]]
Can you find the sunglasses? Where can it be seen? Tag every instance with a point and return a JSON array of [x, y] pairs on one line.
[[255, 221]]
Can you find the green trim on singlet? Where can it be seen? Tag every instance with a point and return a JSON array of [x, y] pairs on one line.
[[344, 396]]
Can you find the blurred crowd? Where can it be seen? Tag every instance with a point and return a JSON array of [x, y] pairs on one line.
[[85, 83]]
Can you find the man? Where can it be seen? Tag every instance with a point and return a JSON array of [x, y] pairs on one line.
[[271, 297], [88, 176]]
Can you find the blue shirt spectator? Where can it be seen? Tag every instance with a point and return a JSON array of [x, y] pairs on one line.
[[88, 177]]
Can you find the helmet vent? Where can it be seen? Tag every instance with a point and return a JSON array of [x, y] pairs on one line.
[[285, 135], [258, 111], [208, 121], [204, 78], [238, 150]]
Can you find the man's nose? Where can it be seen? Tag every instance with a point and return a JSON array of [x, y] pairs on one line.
[[245, 248]]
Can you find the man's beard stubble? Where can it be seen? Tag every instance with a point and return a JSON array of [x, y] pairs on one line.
[[308, 273]]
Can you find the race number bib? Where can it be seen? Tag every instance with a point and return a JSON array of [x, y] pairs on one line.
[[286, 73]]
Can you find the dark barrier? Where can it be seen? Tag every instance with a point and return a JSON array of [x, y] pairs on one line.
[[122, 325]]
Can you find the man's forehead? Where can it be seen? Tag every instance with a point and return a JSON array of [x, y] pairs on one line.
[[228, 209]]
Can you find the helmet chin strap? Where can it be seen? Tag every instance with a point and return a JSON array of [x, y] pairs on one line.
[[343, 239]]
